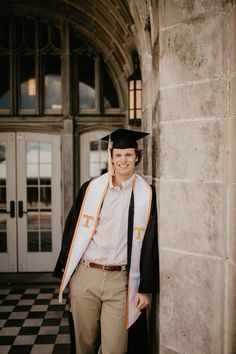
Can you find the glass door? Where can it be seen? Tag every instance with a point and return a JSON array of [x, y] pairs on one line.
[[93, 155], [8, 229], [33, 202]]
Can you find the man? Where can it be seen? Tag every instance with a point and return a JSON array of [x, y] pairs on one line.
[[109, 254]]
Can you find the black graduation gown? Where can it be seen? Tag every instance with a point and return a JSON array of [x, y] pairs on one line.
[[140, 339]]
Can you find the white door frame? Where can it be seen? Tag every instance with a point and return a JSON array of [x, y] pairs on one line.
[[8, 260], [17, 256]]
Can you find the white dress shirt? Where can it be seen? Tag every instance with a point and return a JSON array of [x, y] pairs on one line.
[[109, 243]]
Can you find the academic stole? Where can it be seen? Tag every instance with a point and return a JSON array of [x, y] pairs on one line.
[[86, 228]]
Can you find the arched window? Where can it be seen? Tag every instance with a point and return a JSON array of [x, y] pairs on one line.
[[33, 67], [86, 82], [94, 91], [109, 93]]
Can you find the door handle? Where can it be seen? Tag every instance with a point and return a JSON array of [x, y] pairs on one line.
[[12, 209], [20, 209]]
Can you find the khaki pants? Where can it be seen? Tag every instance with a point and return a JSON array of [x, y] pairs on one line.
[[98, 304]]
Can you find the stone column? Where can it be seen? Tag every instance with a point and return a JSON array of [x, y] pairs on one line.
[[231, 236], [67, 165], [195, 199], [67, 134]]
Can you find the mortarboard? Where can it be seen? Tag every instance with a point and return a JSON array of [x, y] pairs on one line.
[[124, 138]]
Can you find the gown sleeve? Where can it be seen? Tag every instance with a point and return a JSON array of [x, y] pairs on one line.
[[142, 337], [149, 261], [69, 231]]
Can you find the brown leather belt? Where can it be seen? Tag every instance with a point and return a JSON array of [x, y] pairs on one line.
[[111, 268]]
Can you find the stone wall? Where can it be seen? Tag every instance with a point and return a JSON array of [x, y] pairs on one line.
[[231, 244], [193, 122]]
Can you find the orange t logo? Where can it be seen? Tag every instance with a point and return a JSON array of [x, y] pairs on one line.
[[138, 232], [87, 219]]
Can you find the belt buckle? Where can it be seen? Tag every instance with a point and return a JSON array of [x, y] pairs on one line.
[[123, 268]]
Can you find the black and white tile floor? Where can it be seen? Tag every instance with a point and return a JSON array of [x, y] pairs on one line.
[[32, 321]]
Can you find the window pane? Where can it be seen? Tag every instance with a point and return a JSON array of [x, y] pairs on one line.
[[104, 145], [95, 169], [94, 145], [131, 99], [46, 241], [3, 242], [3, 175], [86, 82], [98, 158], [138, 85], [5, 32], [30, 31], [138, 99], [32, 173], [45, 172], [33, 241], [45, 221], [75, 41], [52, 82], [138, 113], [43, 35], [103, 167], [2, 152], [18, 32], [56, 36], [94, 156], [32, 197], [2, 181], [45, 153], [3, 234], [103, 156], [4, 82], [45, 181], [27, 83], [110, 95], [3, 204], [131, 85], [32, 152], [45, 197], [131, 114], [32, 221], [32, 181]]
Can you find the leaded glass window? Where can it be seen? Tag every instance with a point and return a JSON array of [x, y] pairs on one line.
[[32, 71]]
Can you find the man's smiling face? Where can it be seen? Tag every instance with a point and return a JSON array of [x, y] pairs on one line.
[[124, 162]]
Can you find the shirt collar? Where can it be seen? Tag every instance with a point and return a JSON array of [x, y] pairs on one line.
[[125, 184]]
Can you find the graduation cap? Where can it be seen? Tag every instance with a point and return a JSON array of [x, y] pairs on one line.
[[124, 138]]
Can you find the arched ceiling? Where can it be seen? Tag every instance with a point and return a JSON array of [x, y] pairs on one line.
[[106, 24]]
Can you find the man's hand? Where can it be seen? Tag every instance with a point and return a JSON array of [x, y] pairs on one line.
[[142, 301]]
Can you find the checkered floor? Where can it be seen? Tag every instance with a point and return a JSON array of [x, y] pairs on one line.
[[32, 321]]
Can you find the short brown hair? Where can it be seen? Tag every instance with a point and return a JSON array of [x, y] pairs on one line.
[[139, 154]]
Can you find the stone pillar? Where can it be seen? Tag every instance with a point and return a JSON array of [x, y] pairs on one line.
[[67, 134], [147, 124], [67, 165], [196, 200], [231, 295], [142, 39]]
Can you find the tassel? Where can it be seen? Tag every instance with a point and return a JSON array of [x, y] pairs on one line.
[[110, 165]]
